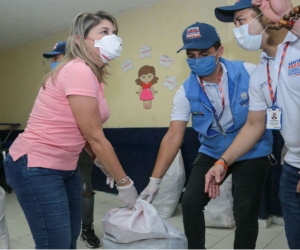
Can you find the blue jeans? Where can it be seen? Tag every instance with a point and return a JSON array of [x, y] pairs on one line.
[[290, 203], [51, 201]]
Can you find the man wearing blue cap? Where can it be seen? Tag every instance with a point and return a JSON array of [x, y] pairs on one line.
[[56, 54], [215, 97], [274, 88]]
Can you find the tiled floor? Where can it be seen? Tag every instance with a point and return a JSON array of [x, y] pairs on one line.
[[272, 237]]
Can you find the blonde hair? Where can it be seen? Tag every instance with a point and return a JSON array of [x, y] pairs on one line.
[[76, 47]]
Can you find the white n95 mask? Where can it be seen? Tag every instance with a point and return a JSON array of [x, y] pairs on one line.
[[110, 47], [245, 40]]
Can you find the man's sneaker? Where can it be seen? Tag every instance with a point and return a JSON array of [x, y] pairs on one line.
[[89, 237]]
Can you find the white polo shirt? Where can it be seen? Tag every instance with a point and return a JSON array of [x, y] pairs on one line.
[[288, 93], [181, 110]]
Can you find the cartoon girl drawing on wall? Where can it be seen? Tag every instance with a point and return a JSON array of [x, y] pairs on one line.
[[146, 80]]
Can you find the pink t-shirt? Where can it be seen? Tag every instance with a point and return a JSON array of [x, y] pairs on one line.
[[52, 138]]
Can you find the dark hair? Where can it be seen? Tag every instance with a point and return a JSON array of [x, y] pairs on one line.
[[259, 16], [255, 9], [217, 45]]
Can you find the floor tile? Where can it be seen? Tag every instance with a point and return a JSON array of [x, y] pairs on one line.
[[81, 244], [17, 229], [26, 240], [267, 235], [17, 245], [278, 243], [224, 243], [14, 211], [282, 235], [211, 240], [11, 198], [176, 220], [222, 232]]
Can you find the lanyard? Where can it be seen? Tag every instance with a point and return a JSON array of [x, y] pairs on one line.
[[217, 117], [272, 95]]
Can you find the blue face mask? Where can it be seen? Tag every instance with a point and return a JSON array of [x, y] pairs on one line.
[[204, 66], [53, 64]]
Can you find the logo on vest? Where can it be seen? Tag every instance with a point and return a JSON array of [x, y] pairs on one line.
[[245, 97], [198, 113]]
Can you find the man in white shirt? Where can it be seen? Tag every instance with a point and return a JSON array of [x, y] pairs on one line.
[[215, 97], [274, 88]]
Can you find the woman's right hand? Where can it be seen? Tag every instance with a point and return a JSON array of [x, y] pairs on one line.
[[128, 194]]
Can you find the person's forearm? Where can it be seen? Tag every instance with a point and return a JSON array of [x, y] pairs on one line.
[[106, 154], [244, 141], [167, 152]]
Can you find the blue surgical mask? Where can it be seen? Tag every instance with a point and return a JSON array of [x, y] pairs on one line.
[[53, 64], [204, 66]]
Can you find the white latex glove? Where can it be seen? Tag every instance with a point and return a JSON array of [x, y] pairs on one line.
[[128, 194], [151, 191], [109, 180]]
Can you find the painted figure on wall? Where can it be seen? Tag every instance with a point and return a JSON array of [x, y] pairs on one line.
[[146, 80]]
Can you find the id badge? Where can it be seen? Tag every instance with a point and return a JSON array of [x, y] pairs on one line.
[[274, 118]]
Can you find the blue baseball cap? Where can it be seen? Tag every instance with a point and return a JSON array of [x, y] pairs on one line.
[[226, 13], [59, 48], [199, 36]]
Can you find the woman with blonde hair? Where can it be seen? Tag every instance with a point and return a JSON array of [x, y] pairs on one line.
[[67, 116]]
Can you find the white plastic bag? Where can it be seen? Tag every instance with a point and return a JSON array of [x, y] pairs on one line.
[[4, 236], [219, 211], [171, 188], [140, 227]]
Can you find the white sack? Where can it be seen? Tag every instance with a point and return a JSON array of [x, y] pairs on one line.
[[171, 188], [140, 226], [219, 211]]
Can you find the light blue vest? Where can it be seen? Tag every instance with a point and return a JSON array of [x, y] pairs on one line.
[[212, 142]]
